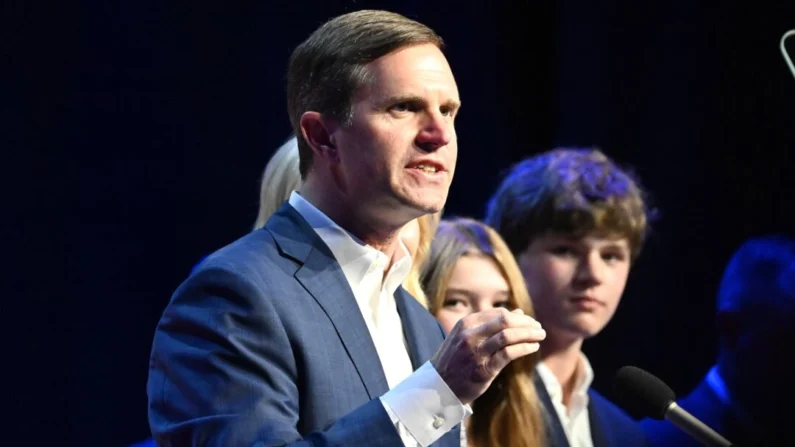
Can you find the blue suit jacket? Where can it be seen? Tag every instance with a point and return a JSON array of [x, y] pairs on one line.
[[610, 426], [265, 345]]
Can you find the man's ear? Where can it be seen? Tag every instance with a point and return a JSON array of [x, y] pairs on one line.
[[317, 132], [729, 327]]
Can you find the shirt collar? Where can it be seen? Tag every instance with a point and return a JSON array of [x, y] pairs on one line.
[[584, 379], [357, 259]]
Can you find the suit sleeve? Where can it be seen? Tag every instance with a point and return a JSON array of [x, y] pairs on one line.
[[222, 373]]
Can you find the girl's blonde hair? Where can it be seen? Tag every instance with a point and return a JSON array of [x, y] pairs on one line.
[[509, 413]]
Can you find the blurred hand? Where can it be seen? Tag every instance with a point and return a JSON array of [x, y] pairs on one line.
[[480, 345]]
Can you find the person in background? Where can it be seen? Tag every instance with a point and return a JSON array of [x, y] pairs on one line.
[[576, 223], [470, 269], [747, 395]]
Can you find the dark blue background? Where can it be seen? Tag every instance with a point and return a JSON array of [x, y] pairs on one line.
[[134, 135]]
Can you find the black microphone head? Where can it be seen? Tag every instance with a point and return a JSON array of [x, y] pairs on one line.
[[642, 393]]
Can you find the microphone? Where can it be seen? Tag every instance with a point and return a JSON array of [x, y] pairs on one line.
[[642, 393]]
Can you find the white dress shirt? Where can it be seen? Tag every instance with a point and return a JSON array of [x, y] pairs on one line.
[[574, 418], [421, 405]]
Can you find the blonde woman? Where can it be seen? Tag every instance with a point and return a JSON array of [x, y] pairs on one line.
[[470, 269], [282, 176]]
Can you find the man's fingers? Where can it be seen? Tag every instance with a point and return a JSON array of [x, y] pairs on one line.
[[512, 336], [502, 358], [481, 345], [500, 321], [480, 318]]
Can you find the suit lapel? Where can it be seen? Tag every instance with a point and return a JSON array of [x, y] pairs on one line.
[[598, 433], [321, 276], [416, 334], [556, 437]]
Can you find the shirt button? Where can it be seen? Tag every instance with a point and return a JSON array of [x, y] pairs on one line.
[[437, 422]]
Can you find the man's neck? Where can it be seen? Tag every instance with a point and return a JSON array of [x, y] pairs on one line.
[[562, 357], [378, 234]]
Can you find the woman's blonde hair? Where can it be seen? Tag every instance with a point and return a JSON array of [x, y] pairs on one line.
[[509, 413], [428, 224], [282, 177]]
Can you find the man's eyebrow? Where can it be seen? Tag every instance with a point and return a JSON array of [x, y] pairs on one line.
[[453, 104], [398, 99]]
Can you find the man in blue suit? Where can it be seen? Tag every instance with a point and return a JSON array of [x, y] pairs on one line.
[[299, 333], [748, 395]]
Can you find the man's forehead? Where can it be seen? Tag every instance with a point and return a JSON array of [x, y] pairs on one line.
[[418, 70], [385, 94]]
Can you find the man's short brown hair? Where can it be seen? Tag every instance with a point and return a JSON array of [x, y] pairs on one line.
[[327, 69], [575, 192]]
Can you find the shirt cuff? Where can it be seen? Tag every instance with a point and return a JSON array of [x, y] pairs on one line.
[[425, 405]]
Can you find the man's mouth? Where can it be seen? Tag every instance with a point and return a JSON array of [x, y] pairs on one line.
[[427, 168]]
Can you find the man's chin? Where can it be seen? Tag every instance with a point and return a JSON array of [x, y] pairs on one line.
[[585, 329], [424, 205]]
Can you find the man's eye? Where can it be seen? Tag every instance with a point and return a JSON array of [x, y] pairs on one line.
[[404, 107], [562, 250]]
